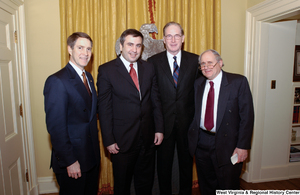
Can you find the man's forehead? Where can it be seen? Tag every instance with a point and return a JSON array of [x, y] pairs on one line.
[[172, 27], [81, 41], [132, 39], [208, 56]]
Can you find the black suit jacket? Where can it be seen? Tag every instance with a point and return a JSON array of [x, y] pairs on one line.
[[176, 102], [124, 117], [235, 116], [71, 120]]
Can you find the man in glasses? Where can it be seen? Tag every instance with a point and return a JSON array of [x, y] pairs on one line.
[[220, 134], [176, 72]]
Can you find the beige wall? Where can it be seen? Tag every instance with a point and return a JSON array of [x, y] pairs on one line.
[[43, 49], [233, 17], [43, 42], [251, 3]]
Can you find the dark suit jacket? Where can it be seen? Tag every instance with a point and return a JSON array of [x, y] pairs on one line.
[[124, 117], [71, 120], [235, 116], [176, 102]]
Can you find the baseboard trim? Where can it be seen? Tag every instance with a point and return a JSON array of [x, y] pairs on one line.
[[47, 185]]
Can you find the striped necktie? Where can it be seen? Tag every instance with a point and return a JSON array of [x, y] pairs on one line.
[[175, 71]]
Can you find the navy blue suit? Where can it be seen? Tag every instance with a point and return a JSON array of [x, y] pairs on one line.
[[71, 120]]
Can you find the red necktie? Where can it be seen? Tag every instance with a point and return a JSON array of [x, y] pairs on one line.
[[86, 84], [209, 112], [133, 75]]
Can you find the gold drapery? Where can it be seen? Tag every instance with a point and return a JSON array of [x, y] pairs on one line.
[[105, 20]]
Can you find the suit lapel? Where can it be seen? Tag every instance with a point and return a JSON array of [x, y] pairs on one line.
[[121, 69], [94, 95], [223, 98], [198, 103], [166, 68], [78, 85], [183, 67], [141, 71]]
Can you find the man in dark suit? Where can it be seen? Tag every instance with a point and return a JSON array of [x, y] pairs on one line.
[[220, 134], [176, 78], [130, 115], [70, 107]]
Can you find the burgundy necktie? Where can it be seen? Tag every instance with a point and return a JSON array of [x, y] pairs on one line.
[[86, 84], [209, 112], [133, 75]]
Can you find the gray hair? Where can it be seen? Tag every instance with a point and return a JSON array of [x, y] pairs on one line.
[[216, 54], [173, 23]]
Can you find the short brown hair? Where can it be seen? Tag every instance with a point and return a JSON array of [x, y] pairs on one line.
[[133, 32], [73, 38]]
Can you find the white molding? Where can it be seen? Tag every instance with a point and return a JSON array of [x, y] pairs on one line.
[[267, 11], [13, 3], [47, 185], [294, 170], [29, 153], [28, 131]]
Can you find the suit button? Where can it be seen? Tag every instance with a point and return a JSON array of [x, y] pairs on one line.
[[227, 123], [225, 135], [84, 110], [229, 110]]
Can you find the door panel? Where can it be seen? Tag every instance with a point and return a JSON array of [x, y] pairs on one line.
[[11, 135], [280, 47]]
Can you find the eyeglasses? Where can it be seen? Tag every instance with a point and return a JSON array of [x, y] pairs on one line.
[[208, 65], [170, 37]]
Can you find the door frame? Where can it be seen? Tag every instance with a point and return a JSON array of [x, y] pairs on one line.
[[255, 70], [26, 123]]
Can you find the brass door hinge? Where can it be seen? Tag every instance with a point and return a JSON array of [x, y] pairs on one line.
[[16, 36], [21, 110], [27, 176]]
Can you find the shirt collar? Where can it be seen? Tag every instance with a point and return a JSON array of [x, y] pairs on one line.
[[178, 55], [217, 79], [127, 64], [78, 70]]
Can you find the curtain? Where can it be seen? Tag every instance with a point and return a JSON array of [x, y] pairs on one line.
[[105, 20]]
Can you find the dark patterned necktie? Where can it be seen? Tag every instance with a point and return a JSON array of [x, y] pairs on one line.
[[133, 75], [86, 84], [209, 112], [175, 71]]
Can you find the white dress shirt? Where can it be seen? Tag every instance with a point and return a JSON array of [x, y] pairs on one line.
[[79, 72], [217, 84], [171, 60]]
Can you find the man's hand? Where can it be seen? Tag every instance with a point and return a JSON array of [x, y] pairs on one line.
[[113, 149], [242, 154], [158, 138], [74, 170]]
